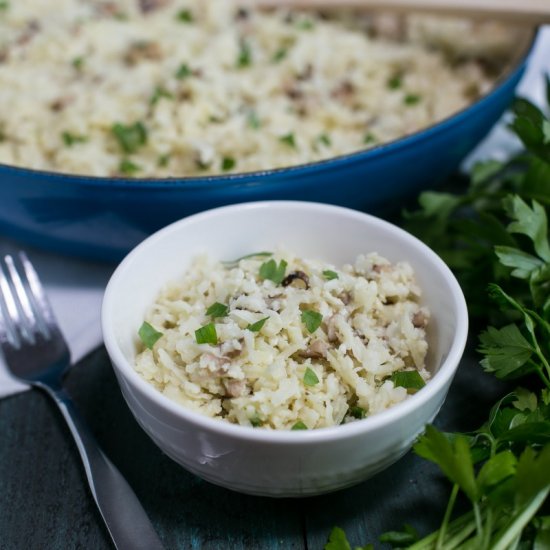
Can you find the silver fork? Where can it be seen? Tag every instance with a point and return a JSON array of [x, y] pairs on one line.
[[36, 353]]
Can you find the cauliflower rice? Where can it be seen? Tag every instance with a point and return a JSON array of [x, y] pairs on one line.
[[296, 343], [192, 87]]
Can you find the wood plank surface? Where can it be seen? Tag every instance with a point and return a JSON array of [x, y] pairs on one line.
[[45, 503]]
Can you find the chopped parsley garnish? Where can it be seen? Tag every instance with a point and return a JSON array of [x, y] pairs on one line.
[[409, 379], [357, 412], [130, 137], [163, 161], [228, 163], [217, 310], [411, 99], [369, 138], [325, 140], [207, 334], [72, 139], [185, 16], [273, 272], [256, 421], [183, 71], [299, 426], [311, 319], [305, 25], [160, 93], [279, 55], [128, 167], [253, 120], [329, 275], [244, 59], [78, 63], [257, 326], [148, 335], [288, 139], [310, 378], [395, 82]]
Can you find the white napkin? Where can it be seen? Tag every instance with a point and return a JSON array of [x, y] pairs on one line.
[[75, 287], [75, 290]]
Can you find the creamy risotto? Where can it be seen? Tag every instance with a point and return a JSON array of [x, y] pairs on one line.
[[195, 87], [281, 342]]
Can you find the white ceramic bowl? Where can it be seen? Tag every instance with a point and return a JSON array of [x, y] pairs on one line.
[[280, 463]]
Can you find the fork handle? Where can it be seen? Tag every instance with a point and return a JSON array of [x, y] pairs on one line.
[[125, 518]]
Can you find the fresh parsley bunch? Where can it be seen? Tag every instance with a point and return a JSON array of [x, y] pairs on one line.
[[494, 235]]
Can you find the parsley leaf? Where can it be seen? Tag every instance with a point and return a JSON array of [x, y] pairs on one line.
[[357, 412], [184, 16], [258, 325], [128, 167], [149, 335], [70, 139], [330, 275], [299, 426], [271, 271], [217, 310], [228, 163], [311, 319], [288, 139], [184, 71], [130, 137], [310, 378], [244, 59], [207, 334], [409, 379]]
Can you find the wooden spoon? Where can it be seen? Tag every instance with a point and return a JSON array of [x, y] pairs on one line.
[[533, 12]]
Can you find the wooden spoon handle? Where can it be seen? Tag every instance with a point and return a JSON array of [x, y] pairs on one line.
[[519, 11]]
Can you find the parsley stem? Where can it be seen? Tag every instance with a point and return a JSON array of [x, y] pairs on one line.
[[540, 372], [439, 544], [517, 523], [479, 522]]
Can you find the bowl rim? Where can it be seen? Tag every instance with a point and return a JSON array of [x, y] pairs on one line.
[[435, 386], [516, 64]]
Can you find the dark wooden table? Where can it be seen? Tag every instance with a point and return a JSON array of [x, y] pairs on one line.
[[45, 502]]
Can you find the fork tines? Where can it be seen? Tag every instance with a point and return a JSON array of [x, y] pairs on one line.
[[24, 309]]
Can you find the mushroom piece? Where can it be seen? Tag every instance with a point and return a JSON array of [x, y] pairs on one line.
[[316, 349], [297, 279], [420, 319], [234, 388], [147, 6], [142, 50]]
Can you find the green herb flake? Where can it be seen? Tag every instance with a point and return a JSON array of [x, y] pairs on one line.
[[217, 310], [163, 161], [256, 421], [369, 138], [310, 378], [228, 163], [207, 334], [183, 72], [279, 55], [160, 93], [130, 137], [244, 59], [70, 139], [299, 426], [329, 275], [128, 167], [395, 82], [412, 99], [257, 326], [185, 16], [325, 140], [4, 5], [311, 319], [305, 25], [358, 412], [410, 379], [271, 271], [253, 120], [288, 139], [78, 63], [149, 335]]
